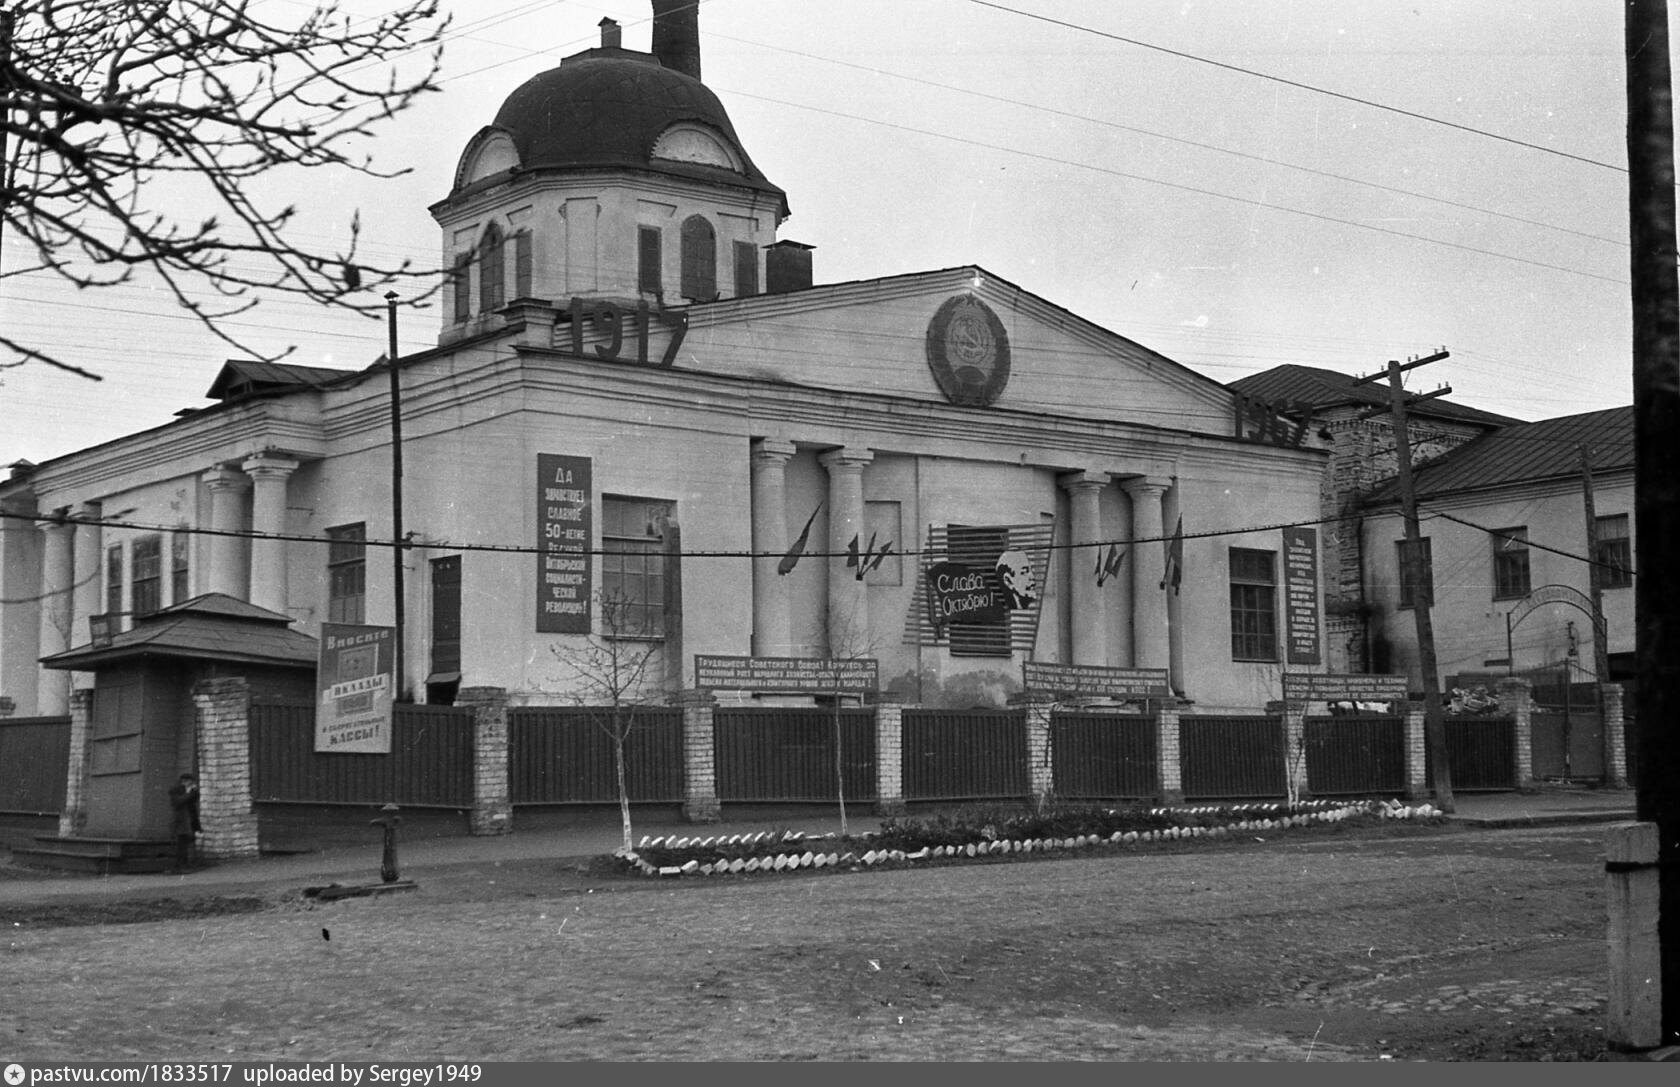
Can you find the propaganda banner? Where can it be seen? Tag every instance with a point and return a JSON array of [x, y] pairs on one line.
[[354, 688], [787, 675], [1300, 594], [564, 574]]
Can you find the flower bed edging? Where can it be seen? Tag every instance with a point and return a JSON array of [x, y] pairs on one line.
[[792, 851]]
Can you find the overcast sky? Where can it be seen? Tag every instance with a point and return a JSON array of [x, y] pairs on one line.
[[1109, 157]]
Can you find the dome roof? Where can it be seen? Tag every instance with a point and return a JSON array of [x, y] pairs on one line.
[[609, 107]]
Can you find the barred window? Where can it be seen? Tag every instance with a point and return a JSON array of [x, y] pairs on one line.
[[633, 565], [1253, 605], [1615, 552], [1510, 563], [347, 574]]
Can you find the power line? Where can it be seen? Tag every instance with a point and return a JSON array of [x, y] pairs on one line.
[[1301, 86]]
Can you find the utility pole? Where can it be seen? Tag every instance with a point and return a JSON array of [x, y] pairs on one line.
[[1615, 778], [397, 695], [1423, 588], [1656, 442]]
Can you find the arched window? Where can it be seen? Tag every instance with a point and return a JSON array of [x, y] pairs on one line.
[[699, 260], [491, 271], [461, 284]]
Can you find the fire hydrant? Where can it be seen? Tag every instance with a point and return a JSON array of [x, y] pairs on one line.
[[388, 863]]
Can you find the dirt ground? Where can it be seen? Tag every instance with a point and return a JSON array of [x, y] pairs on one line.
[[1446, 944]]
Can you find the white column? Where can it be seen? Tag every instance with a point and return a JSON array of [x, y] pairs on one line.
[[58, 567], [1151, 637], [772, 624], [268, 517], [1086, 602], [87, 597], [20, 611], [227, 550], [848, 602]]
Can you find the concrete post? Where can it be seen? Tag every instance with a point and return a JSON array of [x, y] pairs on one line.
[[1634, 1012], [889, 758], [1516, 699], [74, 816], [223, 709], [1169, 770], [492, 810], [700, 799], [1417, 753]]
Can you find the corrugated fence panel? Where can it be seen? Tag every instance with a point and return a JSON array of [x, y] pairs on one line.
[[1356, 755], [965, 755], [34, 764], [787, 753], [1104, 756], [430, 764], [564, 755], [1231, 757], [1482, 752]]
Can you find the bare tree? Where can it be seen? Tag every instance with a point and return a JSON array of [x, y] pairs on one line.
[[612, 672], [134, 132], [849, 640]]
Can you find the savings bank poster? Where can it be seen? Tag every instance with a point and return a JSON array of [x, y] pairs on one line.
[[354, 685]]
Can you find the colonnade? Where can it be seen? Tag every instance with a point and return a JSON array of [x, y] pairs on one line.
[[1138, 593], [73, 577]]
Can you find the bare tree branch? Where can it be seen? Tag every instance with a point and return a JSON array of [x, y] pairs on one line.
[[118, 112]]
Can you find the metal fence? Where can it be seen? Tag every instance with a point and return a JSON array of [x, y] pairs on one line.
[[430, 764], [1481, 752], [1103, 756], [786, 753], [965, 755], [1231, 757], [1568, 744], [34, 764], [1356, 755], [564, 755]]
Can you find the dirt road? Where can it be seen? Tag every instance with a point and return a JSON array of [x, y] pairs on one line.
[[1435, 945]]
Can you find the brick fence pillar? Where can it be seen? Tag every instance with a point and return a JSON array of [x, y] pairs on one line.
[[1615, 736], [1417, 753], [1041, 766], [1516, 700], [700, 799], [492, 810], [74, 816], [223, 710], [889, 757], [1169, 767]]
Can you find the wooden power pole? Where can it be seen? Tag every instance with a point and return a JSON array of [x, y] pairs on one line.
[[1423, 589], [1656, 443]]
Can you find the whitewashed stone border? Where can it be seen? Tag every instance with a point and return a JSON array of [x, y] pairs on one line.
[[801, 850]]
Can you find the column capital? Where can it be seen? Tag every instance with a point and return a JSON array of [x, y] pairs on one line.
[[846, 459], [221, 478], [1084, 481], [773, 449], [269, 466], [1145, 485]]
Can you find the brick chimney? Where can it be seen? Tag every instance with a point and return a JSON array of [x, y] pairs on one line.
[[676, 35], [612, 36], [787, 267]]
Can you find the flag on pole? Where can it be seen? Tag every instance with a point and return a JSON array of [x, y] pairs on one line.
[[1174, 572], [791, 559], [1109, 566]]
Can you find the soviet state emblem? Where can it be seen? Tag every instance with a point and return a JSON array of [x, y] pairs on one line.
[[968, 352]]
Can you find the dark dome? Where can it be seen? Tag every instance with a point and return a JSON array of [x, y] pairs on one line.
[[607, 107]]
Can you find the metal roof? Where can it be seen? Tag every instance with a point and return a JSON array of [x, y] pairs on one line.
[[1329, 389], [1526, 453], [241, 377], [212, 627]]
